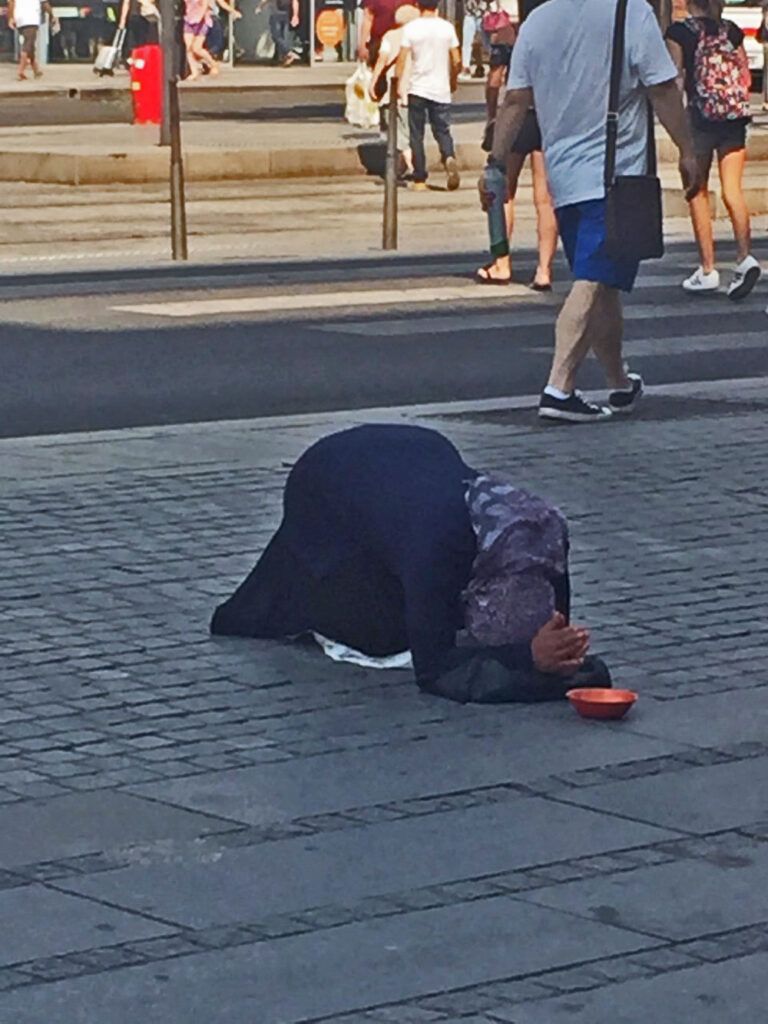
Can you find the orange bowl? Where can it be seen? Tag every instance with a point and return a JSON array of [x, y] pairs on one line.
[[600, 702]]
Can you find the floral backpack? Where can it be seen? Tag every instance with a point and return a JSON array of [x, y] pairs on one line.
[[721, 74]]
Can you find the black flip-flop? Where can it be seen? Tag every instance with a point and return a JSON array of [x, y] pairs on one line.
[[536, 287], [488, 279]]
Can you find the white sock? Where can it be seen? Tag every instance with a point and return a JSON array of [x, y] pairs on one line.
[[556, 393]]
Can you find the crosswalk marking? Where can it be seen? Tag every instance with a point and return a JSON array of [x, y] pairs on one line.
[[294, 302]]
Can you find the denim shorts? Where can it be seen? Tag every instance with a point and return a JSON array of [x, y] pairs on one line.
[[582, 230]]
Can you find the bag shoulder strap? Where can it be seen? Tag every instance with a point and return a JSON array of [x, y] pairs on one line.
[[617, 65], [612, 123]]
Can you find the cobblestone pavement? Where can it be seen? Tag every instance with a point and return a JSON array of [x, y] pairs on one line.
[[208, 831]]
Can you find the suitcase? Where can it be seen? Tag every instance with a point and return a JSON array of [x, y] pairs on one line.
[[108, 57]]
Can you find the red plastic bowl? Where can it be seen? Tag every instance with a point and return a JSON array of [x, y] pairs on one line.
[[601, 702]]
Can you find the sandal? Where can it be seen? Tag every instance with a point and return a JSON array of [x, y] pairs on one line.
[[483, 276], [536, 287]]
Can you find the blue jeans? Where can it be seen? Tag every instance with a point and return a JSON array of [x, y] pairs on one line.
[[281, 32], [439, 121]]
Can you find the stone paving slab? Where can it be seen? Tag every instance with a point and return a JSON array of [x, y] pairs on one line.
[[719, 796], [343, 780], [331, 972], [690, 899], [373, 860], [711, 994], [83, 823], [39, 922]]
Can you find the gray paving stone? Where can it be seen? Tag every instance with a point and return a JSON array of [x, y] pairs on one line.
[[301, 873], [39, 922], [88, 823], [328, 972], [395, 772], [711, 994], [690, 898], [734, 796]]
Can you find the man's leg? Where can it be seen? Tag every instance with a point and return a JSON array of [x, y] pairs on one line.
[[417, 119], [606, 334], [440, 123], [572, 334]]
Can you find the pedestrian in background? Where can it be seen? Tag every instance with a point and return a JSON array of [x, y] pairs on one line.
[[561, 65], [471, 26], [714, 76], [215, 41], [283, 21], [378, 18], [197, 21], [432, 46], [528, 142], [381, 81], [26, 16]]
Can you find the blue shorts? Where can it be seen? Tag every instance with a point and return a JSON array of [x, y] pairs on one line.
[[582, 229]]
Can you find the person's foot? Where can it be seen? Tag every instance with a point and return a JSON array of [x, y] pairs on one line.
[[479, 71], [21, 78], [465, 75], [573, 409], [745, 277], [702, 283], [290, 58], [38, 73], [452, 170], [540, 286], [492, 273], [419, 186], [624, 400], [487, 144]]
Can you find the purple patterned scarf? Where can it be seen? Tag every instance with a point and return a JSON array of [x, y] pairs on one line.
[[521, 547]]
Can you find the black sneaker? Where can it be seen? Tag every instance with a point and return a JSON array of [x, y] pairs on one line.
[[573, 409], [626, 401]]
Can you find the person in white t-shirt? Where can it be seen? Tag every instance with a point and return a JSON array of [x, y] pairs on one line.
[[27, 17], [431, 44]]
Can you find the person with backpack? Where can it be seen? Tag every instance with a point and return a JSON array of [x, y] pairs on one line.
[[713, 73]]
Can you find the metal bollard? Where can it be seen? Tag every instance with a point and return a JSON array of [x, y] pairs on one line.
[[390, 173], [178, 211]]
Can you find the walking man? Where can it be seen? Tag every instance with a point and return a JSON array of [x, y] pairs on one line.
[[27, 16], [433, 46], [561, 65]]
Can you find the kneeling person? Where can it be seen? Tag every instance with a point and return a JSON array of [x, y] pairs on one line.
[[390, 542]]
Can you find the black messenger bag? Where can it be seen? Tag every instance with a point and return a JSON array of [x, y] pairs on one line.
[[633, 214]]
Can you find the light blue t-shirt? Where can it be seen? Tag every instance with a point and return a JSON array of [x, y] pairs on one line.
[[563, 53]]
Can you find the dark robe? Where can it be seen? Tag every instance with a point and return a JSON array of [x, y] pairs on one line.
[[374, 550]]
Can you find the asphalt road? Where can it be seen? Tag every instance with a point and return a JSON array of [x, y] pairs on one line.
[[74, 360]]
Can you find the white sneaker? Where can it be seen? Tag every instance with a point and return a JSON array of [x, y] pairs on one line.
[[701, 282], [745, 277]]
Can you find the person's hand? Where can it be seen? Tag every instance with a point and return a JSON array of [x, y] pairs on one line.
[[559, 648], [235, 15], [362, 52], [692, 177], [11, 23], [486, 196], [295, 21]]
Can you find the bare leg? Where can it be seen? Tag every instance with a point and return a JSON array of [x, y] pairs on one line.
[[194, 63], [496, 77], [606, 332], [701, 218], [731, 174], [204, 56], [572, 334], [546, 222]]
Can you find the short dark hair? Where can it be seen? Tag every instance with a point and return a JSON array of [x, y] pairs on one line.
[[428, 5]]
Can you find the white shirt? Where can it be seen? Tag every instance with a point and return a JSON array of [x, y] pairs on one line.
[[27, 12], [430, 41], [563, 53]]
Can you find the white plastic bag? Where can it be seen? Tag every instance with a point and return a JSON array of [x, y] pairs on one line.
[[361, 111]]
